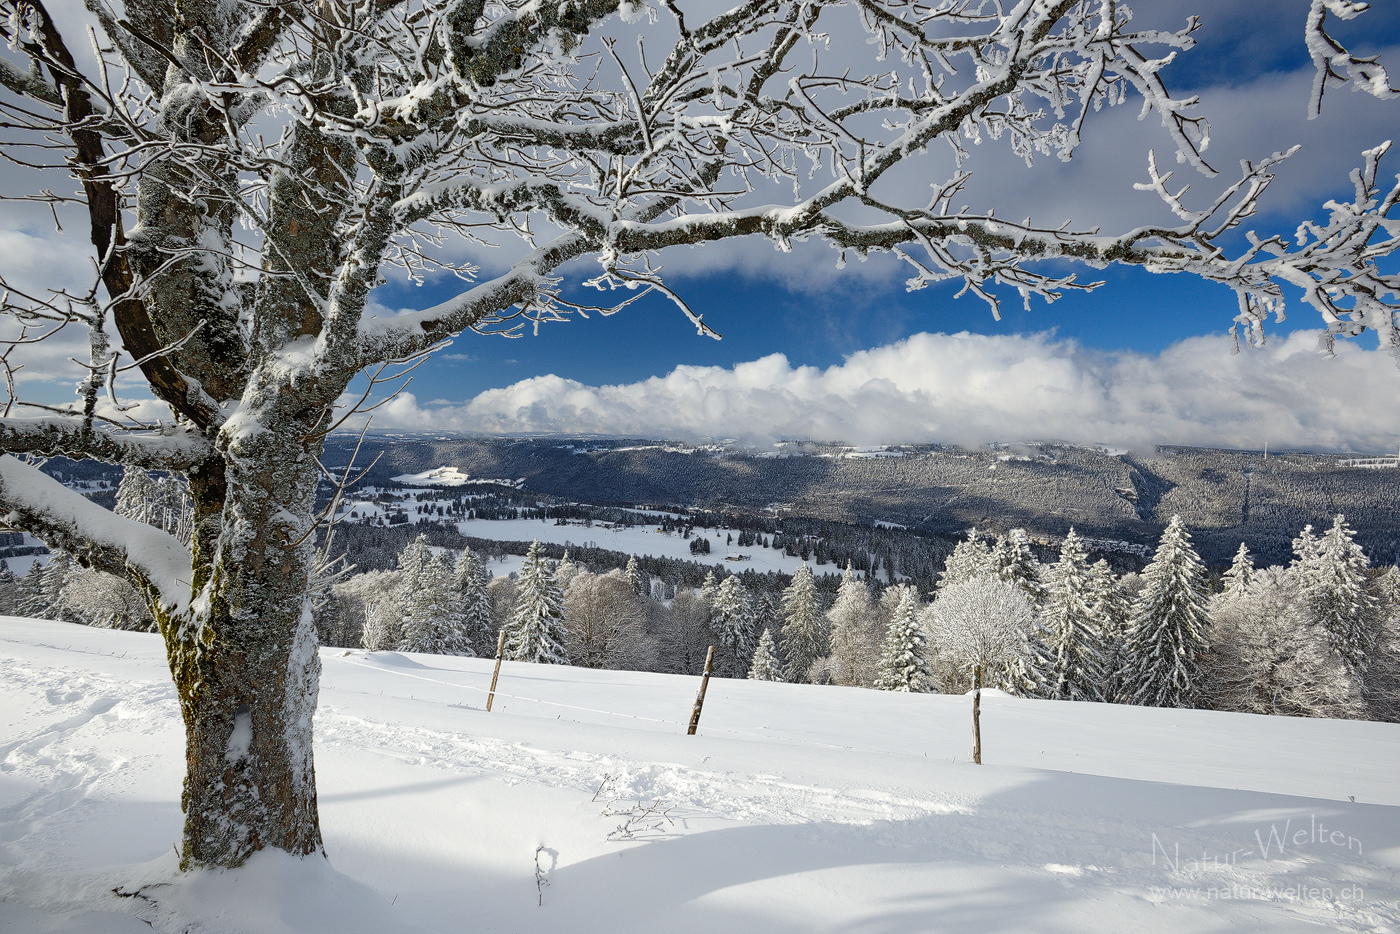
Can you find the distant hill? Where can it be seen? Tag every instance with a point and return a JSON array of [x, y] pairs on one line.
[[1225, 497]]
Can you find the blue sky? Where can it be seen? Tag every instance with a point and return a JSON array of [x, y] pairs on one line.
[[1250, 59]]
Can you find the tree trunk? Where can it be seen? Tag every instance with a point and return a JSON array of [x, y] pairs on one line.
[[245, 662], [977, 714]]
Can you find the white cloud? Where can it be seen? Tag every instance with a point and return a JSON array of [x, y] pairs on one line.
[[969, 389]]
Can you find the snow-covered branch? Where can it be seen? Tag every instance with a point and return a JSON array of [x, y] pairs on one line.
[[96, 537], [176, 449]]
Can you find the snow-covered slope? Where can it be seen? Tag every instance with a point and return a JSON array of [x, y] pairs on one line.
[[796, 808]]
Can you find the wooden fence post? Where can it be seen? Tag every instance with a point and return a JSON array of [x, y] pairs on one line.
[[977, 714], [700, 698], [500, 651]]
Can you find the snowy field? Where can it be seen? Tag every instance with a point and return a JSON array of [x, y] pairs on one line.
[[795, 809], [640, 540]]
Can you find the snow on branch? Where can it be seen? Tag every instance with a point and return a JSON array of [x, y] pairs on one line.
[[1333, 63], [96, 537], [175, 449]]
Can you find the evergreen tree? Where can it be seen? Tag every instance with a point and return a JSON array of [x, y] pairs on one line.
[[1113, 609], [1014, 561], [805, 630], [731, 618], [1241, 573], [432, 618], [635, 577], [536, 630], [1333, 585], [474, 604], [29, 598], [904, 662], [1305, 550], [853, 650], [1075, 630], [1167, 637], [43, 587], [9, 591], [970, 558], [708, 587], [765, 662]]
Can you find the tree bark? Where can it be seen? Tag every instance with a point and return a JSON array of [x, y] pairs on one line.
[[245, 661]]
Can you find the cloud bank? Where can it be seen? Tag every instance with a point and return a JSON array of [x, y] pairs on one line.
[[971, 389]]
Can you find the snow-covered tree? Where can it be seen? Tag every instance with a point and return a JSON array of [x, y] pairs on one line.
[[162, 501], [1332, 581], [970, 558], [1168, 632], [904, 664], [564, 571], [981, 620], [854, 651], [536, 631], [683, 633], [606, 622], [381, 629], [765, 661], [805, 629], [1237, 580], [43, 588], [636, 578], [104, 600], [432, 619], [1113, 608], [1077, 640], [708, 587], [9, 591], [252, 171], [731, 619], [1013, 561], [474, 604], [1270, 655]]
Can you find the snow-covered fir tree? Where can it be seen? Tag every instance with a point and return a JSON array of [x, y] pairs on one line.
[[536, 630], [432, 616], [1075, 632], [1236, 580], [474, 604], [636, 578], [29, 593], [1333, 584], [970, 558], [42, 588], [1014, 561], [853, 650], [904, 662], [765, 661], [9, 591], [805, 629], [1112, 608], [731, 619], [708, 587], [1168, 633]]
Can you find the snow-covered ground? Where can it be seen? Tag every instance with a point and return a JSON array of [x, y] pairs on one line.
[[640, 540], [795, 809]]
